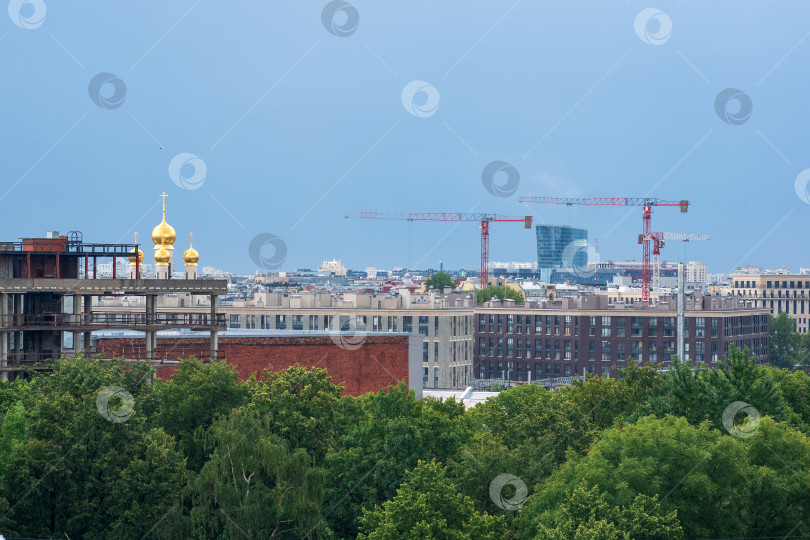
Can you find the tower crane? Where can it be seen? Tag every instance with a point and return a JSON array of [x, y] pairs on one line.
[[659, 240], [646, 238], [483, 219]]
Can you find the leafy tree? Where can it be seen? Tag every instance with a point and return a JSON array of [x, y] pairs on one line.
[[697, 393], [525, 431], [428, 505], [784, 345], [439, 281], [66, 474], [254, 485], [586, 514], [13, 433], [187, 404], [304, 408], [501, 293], [371, 458], [718, 484]]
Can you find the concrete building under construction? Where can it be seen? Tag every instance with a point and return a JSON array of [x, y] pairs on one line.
[[47, 286]]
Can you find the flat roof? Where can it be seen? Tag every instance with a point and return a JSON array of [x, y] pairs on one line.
[[242, 332]]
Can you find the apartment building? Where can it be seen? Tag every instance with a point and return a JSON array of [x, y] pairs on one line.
[[572, 336], [776, 292]]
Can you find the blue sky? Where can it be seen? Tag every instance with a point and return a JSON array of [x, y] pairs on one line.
[[296, 126]]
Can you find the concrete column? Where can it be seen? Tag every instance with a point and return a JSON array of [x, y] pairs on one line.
[[151, 319], [87, 320], [214, 334], [77, 336], [4, 335]]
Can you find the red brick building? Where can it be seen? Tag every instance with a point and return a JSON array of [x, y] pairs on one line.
[[362, 364]]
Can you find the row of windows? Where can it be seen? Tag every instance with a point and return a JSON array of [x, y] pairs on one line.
[[784, 284], [377, 323], [534, 371], [457, 352]]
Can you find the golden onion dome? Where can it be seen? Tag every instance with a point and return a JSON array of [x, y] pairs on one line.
[[162, 257], [191, 257], [132, 257], [164, 234]]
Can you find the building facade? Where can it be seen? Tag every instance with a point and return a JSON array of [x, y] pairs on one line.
[[587, 335], [778, 293], [560, 246]]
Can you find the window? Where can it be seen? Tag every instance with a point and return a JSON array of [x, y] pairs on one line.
[[436, 352], [482, 324], [435, 377], [591, 350], [605, 326], [556, 349], [592, 325], [423, 325], [606, 351], [556, 325], [281, 322], [510, 347], [620, 351], [538, 324], [482, 346], [491, 323], [500, 346], [714, 326], [425, 375], [620, 326], [669, 326], [714, 352], [652, 355], [500, 323], [407, 324], [520, 348], [538, 348], [637, 351], [297, 322], [635, 326], [425, 351], [436, 326], [669, 350], [519, 329], [652, 331], [510, 323], [700, 327], [567, 370], [567, 350], [235, 321]]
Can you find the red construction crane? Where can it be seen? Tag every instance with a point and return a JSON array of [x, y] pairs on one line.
[[483, 219], [645, 202]]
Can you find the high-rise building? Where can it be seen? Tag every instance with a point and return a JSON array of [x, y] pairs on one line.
[[560, 246]]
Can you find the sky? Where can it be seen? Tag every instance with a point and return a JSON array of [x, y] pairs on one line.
[[266, 122]]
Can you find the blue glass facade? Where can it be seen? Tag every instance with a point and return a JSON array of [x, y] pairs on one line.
[[560, 246]]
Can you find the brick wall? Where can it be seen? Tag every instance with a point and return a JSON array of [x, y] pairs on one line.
[[378, 362]]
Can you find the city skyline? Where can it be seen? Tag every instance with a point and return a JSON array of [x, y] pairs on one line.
[[402, 109]]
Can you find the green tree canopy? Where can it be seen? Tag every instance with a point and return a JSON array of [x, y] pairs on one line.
[[501, 293], [439, 281], [428, 505]]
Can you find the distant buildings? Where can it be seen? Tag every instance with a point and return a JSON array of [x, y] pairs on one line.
[[333, 267]]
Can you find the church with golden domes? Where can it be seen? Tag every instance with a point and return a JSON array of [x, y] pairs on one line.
[[163, 237]]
